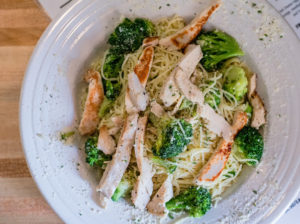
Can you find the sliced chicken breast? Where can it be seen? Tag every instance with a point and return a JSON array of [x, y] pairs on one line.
[[103, 200], [259, 111], [157, 205], [117, 167], [142, 71], [157, 109], [143, 67], [137, 92], [188, 89], [216, 123], [106, 143], [217, 162], [169, 92], [90, 119], [150, 41], [177, 106], [183, 37], [139, 141], [143, 187], [193, 54], [118, 123]]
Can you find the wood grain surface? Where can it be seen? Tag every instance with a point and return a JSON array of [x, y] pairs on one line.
[[21, 24]]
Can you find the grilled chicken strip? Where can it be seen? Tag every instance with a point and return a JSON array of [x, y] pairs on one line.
[[216, 123], [183, 37], [139, 141], [137, 92], [143, 188], [118, 123], [157, 109], [157, 205], [117, 167], [134, 99], [150, 41], [106, 143], [90, 119], [169, 92], [217, 162], [259, 111]]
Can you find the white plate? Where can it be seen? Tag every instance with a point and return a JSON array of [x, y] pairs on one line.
[[49, 104]]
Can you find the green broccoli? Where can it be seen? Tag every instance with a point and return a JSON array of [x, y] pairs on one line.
[[105, 106], [168, 165], [146, 26], [249, 144], [112, 65], [94, 156], [112, 89], [129, 35], [111, 70], [217, 46], [196, 201], [64, 136], [236, 82], [249, 111], [125, 186], [174, 135]]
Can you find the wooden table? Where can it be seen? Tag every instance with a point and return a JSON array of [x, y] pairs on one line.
[[21, 24]]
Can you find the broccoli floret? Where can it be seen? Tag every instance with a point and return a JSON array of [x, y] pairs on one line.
[[217, 46], [128, 36], [249, 144], [94, 156], [168, 165], [112, 89], [112, 65], [112, 69], [174, 135], [196, 201], [105, 106], [146, 26], [236, 82], [125, 186]]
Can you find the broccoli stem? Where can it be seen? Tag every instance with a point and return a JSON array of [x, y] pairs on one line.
[[66, 135], [125, 185], [122, 190], [105, 107]]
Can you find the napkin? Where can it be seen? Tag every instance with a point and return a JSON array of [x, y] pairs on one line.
[[290, 10]]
